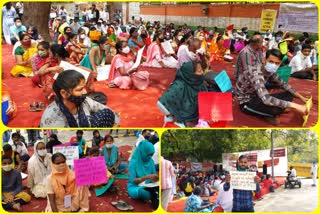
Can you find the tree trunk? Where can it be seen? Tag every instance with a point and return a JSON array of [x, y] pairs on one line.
[[111, 11], [37, 14]]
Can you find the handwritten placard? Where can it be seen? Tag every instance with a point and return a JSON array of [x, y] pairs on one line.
[[90, 171], [243, 180], [71, 153]]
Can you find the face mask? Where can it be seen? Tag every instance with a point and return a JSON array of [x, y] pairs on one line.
[[28, 43], [109, 146], [201, 38], [126, 50], [179, 38], [19, 24], [106, 47], [271, 68], [234, 34], [42, 53], [61, 167], [42, 152], [278, 38], [147, 137], [77, 100], [7, 168], [82, 36]]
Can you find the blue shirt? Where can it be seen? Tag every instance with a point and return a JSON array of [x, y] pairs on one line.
[[14, 29], [132, 44]]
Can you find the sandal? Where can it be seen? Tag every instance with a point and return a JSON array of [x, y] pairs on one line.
[[34, 106], [41, 106], [122, 205]]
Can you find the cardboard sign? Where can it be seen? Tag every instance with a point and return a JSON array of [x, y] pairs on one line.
[[90, 171], [215, 106], [223, 81], [243, 180], [71, 153], [268, 18]]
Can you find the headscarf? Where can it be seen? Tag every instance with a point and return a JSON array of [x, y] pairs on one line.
[[63, 183], [112, 160], [181, 98], [142, 158]]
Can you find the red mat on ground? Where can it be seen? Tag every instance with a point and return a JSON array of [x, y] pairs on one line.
[[138, 108]]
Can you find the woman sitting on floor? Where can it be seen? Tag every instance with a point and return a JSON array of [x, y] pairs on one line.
[[135, 42], [97, 139], [63, 38], [61, 183], [72, 107], [180, 101], [142, 170], [12, 195], [39, 168], [121, 64], [112, 157], [23, 55], [76, 54], [39, 60], [156, 57]]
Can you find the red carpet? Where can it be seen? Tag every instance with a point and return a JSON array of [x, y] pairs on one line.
[[138, 108], [97, 204]]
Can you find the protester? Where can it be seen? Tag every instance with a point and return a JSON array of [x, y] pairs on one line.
[[12, 195], [14, 155], [112, 157], [166, 182], [39, 168], [52, 142], [8, 15], [187, 52], [16, 29], [33, 33], [225, 197], [135, 42], [97, 138], [71, 100], [76, 53], [38, 61], [61, 183], [194, 202]]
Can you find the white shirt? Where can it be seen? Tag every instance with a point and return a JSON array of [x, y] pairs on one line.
[[300, 62], [293, 173], [155, 156], [314, 170], [21, 149], [19, 5], [225, 199]]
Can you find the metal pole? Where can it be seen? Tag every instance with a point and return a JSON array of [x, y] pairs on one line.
[[272, 156]]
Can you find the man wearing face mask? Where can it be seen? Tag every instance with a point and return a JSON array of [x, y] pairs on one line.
[[273, 44], [254, 98], [16, 29], [39, 168], [12, 195]]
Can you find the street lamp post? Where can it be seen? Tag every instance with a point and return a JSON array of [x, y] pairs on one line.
[[272, 156]]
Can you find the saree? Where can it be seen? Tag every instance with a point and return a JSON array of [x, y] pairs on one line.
[[123, 82], [25, 70], [181, 98]]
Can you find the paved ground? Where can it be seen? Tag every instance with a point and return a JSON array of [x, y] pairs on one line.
[[290, 200]]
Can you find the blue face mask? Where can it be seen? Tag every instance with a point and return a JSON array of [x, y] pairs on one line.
[[278, 38], [271, 67]]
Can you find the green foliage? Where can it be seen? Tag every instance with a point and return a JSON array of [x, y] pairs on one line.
[[200, 145]]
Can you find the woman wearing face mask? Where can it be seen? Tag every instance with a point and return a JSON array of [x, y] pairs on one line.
[[112, 157], [39, 60], [39, 168], [96, 54], [135, 41], [63, 37], [120, 69], [12, 195], [23, 55], [75, 52], [180, 101], [83, 40], [53, 141], [254, 98], [61, 186], [142, 169], [72, 108], [156, 56]]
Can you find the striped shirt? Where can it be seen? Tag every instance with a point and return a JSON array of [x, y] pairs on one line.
[[166, 174], [251, 83]]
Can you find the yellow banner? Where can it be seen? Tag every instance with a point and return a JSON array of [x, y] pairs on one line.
[[268, 18]]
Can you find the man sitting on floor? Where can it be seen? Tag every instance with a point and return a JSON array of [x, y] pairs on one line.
[[254, 97]]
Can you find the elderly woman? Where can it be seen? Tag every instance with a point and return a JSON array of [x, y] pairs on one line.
[[61, 183], [39, 168], [23, 55], [72, 107]]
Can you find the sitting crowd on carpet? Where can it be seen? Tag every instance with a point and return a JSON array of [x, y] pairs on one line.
[[49, 175], [200, 186], [111, 49]]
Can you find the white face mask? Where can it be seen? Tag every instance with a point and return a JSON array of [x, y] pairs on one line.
[[82, 36], [19, 24], [42, 152], [126, 50], [201, 38], [106, 47], [7, 168], [179, 38], [271, 68], [109, 146]]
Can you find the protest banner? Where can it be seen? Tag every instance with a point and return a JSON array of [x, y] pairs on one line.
[[71, 153], [90, 171], [268, 18], [243, 180], [196, 166]]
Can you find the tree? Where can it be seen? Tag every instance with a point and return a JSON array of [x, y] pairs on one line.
[[37, 14]]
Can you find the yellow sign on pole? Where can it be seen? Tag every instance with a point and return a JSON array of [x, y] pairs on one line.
[[268, 18]]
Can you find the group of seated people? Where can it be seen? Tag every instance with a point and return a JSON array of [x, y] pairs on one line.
[[49, 176], [259, 57]]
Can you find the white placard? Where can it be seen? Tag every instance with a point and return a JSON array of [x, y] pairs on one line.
[[167, 47], [103, 72], [138, 59], [243, 180], [23, 175], [71, 153], [67, 66], [89, 143]]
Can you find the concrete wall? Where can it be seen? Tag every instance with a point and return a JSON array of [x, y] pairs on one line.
[[220, 15]]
